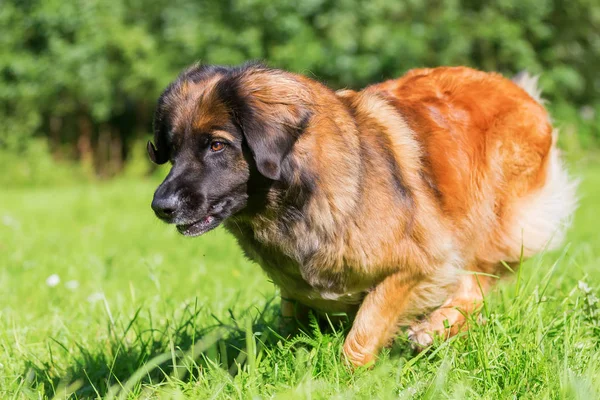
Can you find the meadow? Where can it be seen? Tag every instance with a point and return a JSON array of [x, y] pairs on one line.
[[101, 300]]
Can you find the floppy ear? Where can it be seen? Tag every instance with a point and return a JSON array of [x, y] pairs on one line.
[[271, 137], [155, 155], [270, 109], [159, 154]]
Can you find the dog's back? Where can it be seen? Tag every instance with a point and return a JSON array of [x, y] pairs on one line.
[[490, 152]]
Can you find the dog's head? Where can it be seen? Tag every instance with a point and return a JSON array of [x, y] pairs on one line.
[[223, 130]]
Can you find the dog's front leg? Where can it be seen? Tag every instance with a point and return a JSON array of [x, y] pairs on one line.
[[377, 320], [292, 315]]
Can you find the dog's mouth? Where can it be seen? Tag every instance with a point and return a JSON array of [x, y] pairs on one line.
[[199, 227], [217, 214]]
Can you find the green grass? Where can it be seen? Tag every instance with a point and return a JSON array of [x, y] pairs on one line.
[[141, 312]]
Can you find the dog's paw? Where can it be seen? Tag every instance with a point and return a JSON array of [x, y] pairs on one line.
[[420, 336], [356, 354], [287, 327]]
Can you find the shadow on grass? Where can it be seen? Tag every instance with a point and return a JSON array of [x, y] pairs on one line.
[[132, 356]]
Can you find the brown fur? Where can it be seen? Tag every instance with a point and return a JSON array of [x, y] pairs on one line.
[[393, 194]]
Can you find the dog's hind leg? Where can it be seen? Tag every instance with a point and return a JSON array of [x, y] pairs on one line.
[[452, 316]]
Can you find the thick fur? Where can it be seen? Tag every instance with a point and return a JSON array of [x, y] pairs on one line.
[[383, 203]]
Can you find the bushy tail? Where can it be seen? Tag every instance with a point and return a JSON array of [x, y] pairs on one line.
[[529, 83], [542, 217]]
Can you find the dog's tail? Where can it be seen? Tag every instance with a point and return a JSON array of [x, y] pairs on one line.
[[542, 218], [529, 83]]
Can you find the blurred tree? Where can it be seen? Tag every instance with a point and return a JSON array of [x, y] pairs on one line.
[[85, 74]]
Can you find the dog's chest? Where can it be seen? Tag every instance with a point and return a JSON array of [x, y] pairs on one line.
[[286, 272]]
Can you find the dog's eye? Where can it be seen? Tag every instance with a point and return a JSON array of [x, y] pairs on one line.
[[217, 146]]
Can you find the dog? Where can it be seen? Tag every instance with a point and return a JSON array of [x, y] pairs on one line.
[[400, 204]]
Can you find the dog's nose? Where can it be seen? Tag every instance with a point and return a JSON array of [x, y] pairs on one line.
[[164, 206]]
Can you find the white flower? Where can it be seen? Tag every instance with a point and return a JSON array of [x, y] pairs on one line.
[[584, 286], [53, 280], [11, 222], [95, 297], [72, 285]]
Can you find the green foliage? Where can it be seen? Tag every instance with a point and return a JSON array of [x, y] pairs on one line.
[[578, 128], [34, 166], [85, 73]]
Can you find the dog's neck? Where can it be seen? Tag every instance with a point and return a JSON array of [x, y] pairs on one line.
[[351, 152], [325, 184]]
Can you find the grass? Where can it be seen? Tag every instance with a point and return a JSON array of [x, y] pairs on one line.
[[141, 312]]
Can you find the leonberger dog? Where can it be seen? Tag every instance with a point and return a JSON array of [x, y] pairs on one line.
[[400, 204]]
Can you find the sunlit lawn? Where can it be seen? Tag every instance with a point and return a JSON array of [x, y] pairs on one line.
[[101, 299]]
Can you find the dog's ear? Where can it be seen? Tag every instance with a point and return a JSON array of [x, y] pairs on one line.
[[156, 156], [159, 153], [271, 134], [270, 108]]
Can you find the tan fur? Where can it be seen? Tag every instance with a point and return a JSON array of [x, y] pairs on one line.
[[415, 185]]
